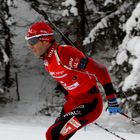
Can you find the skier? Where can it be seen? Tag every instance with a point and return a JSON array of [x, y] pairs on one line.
[[78, 74]]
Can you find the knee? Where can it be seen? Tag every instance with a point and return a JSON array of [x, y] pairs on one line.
[[48, 134], [53, 133]]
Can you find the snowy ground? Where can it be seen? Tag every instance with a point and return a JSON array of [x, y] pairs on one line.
[[33, 131]]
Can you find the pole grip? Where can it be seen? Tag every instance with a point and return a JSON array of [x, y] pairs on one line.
[[42, 12]]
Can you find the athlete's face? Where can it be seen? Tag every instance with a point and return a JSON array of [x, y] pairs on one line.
[[40, 47]]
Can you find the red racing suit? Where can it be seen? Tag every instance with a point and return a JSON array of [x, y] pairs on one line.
[[78, 74]]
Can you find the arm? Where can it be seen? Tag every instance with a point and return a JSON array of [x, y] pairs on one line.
[[104, 78], [102, 75], [74, 58], [71, 56]]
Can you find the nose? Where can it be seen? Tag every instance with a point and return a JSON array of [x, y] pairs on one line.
[[32, 48]]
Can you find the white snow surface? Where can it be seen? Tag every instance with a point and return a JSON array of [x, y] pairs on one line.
[[34, 132]]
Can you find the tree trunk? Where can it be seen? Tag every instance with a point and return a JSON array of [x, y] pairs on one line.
[[81, 24], [7, 46], [7, 43], [7, 66]]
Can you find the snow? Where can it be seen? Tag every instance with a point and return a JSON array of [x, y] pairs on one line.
[[10, 21], [74, 11], [129, 51], [92, 35], [21, 132], [134, 46], [131, 44], [6, 59], [104, 24], [65, 12], [1, 91], [134, 97], [69, 3], [134, 20], [121, 57], [111, 1], [72, 5], [35, 128]]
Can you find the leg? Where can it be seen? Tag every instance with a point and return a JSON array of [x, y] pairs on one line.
[[85, 114], [53, 133]]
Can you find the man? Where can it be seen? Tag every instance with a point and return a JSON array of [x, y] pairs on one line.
[[78, 74]]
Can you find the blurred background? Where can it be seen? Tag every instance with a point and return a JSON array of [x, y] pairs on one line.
[[106, 30]]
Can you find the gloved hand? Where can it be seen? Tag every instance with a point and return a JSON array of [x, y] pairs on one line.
[[113, 106]]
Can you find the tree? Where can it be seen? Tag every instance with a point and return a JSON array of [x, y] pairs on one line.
[[127, 64], [5, 40]]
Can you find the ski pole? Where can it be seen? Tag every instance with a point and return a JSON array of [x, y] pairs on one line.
[[42, 12], [131, 119], [116, 135]]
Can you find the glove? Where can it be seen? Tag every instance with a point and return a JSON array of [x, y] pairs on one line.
[[113, 106]]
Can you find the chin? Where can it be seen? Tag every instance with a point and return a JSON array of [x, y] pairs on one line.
[[36, 54]]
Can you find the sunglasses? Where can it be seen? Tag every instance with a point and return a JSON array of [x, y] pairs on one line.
[[33, 41]]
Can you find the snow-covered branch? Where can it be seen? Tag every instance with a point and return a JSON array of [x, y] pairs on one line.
[[111, 2], [129, 51], [133, 22], [73, 10], [5, 57], [104, 23]]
